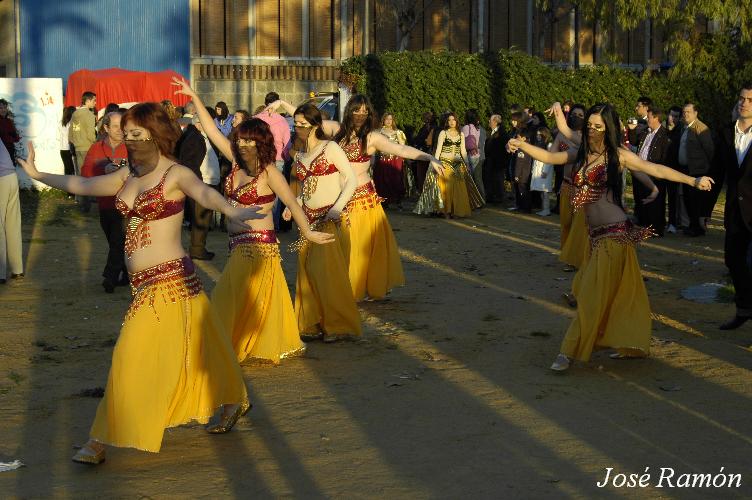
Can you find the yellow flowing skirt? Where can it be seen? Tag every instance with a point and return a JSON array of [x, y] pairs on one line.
[[565, 213], [323, 296], [612, 304], [253, 301], [172, 363], [576, 245], [453, 193], [370, 248]]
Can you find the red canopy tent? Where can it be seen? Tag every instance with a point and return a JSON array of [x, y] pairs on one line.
[[122, 85]]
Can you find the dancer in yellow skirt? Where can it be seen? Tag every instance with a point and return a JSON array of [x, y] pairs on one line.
[[374, 265], [324, 301], [453, 193], [251, 297], [172, 362], [612, 304]]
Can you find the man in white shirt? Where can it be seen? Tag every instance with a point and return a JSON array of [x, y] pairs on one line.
[[735, 158]]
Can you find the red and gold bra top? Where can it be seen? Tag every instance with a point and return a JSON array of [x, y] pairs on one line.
[[245, 194], [318, 167], [150, 204], [590, 184], [354, 152]]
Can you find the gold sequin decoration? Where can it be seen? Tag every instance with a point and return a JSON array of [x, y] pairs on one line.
[[172, 280]]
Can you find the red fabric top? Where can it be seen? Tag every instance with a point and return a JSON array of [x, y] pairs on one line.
[[122, 85], [245, 194], [100, 155], [150, 204]]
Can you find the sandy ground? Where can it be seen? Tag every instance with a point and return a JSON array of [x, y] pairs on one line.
[[448, 394]]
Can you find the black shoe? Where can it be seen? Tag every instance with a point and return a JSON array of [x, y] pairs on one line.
[[17, 276], [733, 323], [109, 287], [694, 232], [2, 281], [204, 256]]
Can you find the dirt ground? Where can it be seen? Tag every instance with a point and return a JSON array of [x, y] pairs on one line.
[[447, 395]]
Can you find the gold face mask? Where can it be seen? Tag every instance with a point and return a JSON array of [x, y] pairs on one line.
[[300, 143], [143, 153]]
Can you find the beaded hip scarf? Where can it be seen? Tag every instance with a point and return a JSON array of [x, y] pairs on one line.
[[624, 232], [176, 279]]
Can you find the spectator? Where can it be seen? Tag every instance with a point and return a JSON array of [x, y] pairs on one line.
[[189, 110], [475, 138], [110, 108], [495, 162], [635, 129], [735, 158], [695, 155], [223, 120], [281, 132], [674, 189], [543, 173], [654, 144], [104, 157], [190, 151], [8, 133], [240, 116], [65, 149], [424, 141], [210, 166], [82, 134], [522, 163], [11, 255]]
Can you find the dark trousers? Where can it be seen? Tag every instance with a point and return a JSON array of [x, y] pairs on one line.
[[653, 213], [522, 196], [67, 157], [737, 253], [672, 196], [114, 230], [200, 221], [493, 181], [697, 202]]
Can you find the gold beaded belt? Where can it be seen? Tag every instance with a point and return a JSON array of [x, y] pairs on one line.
[[255, 236], [177, 277], [623, 232]]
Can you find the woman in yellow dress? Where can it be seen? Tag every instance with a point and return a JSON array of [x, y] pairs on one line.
[[612, 304], [251, 297], [324, 302], [374, 266], [454, 194], [172, 362]]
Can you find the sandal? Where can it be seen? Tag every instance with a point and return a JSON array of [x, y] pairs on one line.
[[229, 421], [88, 455]]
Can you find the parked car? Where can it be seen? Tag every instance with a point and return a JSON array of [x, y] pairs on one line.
[[327, 102]]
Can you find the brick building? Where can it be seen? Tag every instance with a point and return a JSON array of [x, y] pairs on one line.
[[237, 50]]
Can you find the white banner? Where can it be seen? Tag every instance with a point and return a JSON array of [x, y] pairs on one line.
[[37, 106]]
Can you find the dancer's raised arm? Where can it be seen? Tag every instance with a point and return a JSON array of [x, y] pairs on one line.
[[635, 163], [561, 123], [540, 154], [101, 185], [381, 143], [207, 122]]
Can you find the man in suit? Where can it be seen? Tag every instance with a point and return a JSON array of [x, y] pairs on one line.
[[190, 151], [696, 150], [734, 156], [495, 162], [638, 128], [654, 145]]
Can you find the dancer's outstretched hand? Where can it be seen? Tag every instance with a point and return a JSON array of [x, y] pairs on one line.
[[286, 214], [513, 145], [318, 237], [437, 166], [28, 163], [183, 87], [554, 109], [651, 197], [704, 183], [241, 216]]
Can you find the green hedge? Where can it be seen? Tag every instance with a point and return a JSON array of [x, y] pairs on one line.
[[410, 83]]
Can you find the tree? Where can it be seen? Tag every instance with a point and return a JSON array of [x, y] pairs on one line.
[[679, 17], [407, 13]]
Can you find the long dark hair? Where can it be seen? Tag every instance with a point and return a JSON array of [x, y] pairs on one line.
[[68, 114], [312, 114], [256, 130], [445, 120], [347, 127], [611, 142], [471, 117], [225, 112]]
